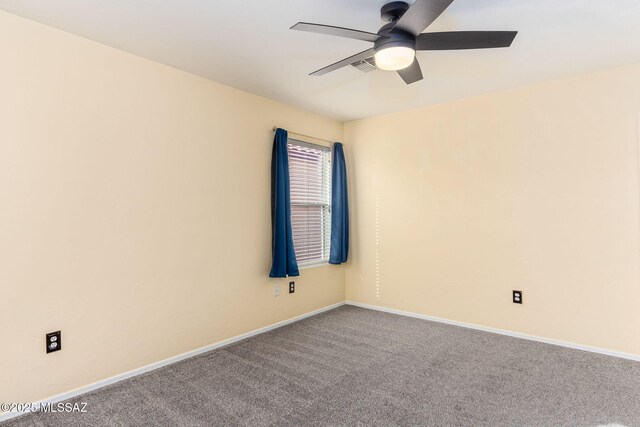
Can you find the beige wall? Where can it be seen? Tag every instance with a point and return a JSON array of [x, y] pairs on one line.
[[134, 212], [536, 189]]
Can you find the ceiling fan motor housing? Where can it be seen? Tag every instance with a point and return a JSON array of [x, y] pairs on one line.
[[393, 11], [395, 38]]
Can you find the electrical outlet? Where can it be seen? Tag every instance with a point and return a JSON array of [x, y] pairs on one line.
[[54, 341], [292, 287], [517, 297], [276, 291]]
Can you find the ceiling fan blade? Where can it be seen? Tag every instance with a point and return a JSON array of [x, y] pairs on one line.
[[412, 73], [347, 61], [336, 31], [420, 15], [465, 40]]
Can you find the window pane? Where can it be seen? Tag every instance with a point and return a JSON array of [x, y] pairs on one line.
[[308, 232]]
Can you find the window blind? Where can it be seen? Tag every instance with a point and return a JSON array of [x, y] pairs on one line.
[[310, 179]]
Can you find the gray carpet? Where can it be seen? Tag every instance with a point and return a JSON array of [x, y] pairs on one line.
[[352, 366]]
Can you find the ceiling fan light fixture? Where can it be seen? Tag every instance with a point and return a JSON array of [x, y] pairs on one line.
[[394, 58]]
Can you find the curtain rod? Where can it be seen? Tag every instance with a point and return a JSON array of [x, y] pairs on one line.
[[306, 136]]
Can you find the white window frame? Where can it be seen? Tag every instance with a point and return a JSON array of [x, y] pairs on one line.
[[325, 204]]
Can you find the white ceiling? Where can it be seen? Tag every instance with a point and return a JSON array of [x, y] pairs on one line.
[[248, 45]]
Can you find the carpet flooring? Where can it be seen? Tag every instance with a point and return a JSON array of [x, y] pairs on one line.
[[352, 366]]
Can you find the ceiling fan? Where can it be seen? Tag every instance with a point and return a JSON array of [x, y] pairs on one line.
[[395, 44]]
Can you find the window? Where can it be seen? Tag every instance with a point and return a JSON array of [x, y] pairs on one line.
[[310, 177]]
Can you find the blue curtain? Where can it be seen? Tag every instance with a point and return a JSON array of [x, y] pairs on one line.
[[283, 262], [339, 208]]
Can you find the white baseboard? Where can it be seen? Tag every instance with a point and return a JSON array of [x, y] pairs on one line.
[[139, 371], [501, 331]]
